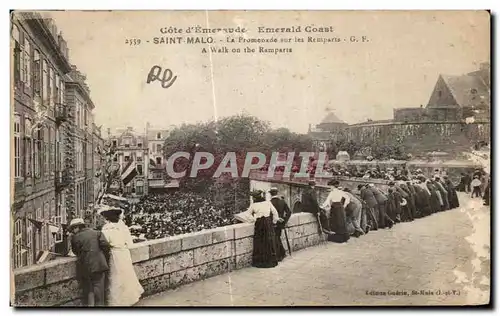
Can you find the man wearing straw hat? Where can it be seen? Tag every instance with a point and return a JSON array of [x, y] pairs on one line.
[[92, 249]]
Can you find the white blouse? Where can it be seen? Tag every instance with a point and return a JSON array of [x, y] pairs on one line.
[[117, 235], [263, 209]]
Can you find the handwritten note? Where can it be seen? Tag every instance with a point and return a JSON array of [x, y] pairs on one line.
[[166, 77]]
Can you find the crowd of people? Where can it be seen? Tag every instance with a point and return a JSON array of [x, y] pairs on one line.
[[174, 213], [178, 212], [347, 212]]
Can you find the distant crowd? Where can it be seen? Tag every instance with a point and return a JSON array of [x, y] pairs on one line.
[[174, 213]]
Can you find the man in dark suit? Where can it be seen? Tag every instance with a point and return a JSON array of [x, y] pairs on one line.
[[92, 250], [371, 203], [310, 199], [284, 213]]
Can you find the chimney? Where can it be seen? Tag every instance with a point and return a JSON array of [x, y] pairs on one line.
[[109, 132]]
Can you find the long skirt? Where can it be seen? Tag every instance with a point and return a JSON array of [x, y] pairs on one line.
[[453, 198], [338, 224], [435, 202], [124, 288], [486, 196], [264, 244], [423, 204]]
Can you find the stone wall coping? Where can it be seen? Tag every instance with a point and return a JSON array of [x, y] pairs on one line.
[[141, 251]]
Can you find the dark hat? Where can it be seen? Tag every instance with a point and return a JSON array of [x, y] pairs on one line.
[[106, 210], [312, 182], [391, 183], [257, 193], [334, 183]]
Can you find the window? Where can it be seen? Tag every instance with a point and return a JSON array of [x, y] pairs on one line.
[[158, 148], [61, 90], [37, 69], [52, 151], [52, 208], [62, 208], [115, 158], [29, 237], [85, 117], [158, 160], [27, 64], [57, 91], [126, 142], [158, 136], [37, 153], [39, 214], [126, 158], [18, 243], [114, 142], [139, 156], [17, 146], [59, 152], [139, 169], [27, 147], [50, 86], [139, 187], [45, 80], [77, 113], [17, 53], [440, 93], [46, 150], [45, 232]]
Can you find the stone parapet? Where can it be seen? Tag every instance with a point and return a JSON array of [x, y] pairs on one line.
[[162, 264]]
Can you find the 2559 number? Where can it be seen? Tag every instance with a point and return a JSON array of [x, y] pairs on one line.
[[132, 41]]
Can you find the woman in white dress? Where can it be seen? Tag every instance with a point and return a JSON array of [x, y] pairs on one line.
[[124, 288]]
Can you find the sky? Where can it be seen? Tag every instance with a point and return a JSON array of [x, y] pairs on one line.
[[397, 67]]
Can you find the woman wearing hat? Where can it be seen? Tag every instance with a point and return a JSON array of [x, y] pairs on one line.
[[124, 288], [264, 239]]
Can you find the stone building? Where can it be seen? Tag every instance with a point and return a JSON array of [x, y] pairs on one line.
[[52, 138], [456, 97], [156, 176], [132, 159], [330, 128], [80, 147]]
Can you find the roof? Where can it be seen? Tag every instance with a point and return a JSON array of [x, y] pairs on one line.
[[375, 122], [468, 90], [122, 132], [332, 118], [152, 132]]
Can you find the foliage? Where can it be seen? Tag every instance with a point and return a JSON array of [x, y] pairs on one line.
[[240, 134]]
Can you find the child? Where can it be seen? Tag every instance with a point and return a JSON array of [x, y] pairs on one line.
[[476, 187]]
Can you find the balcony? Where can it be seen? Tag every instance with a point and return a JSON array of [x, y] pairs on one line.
[[62, 180], [61, 113]]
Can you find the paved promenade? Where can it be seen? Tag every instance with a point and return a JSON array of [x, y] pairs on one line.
[[443, 259]]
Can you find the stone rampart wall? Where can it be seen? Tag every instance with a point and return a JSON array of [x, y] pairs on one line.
[[162, 264]]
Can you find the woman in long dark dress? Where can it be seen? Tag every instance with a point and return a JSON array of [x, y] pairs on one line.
[[434, 199], [264, 238], [452, 193], [334, 207]]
